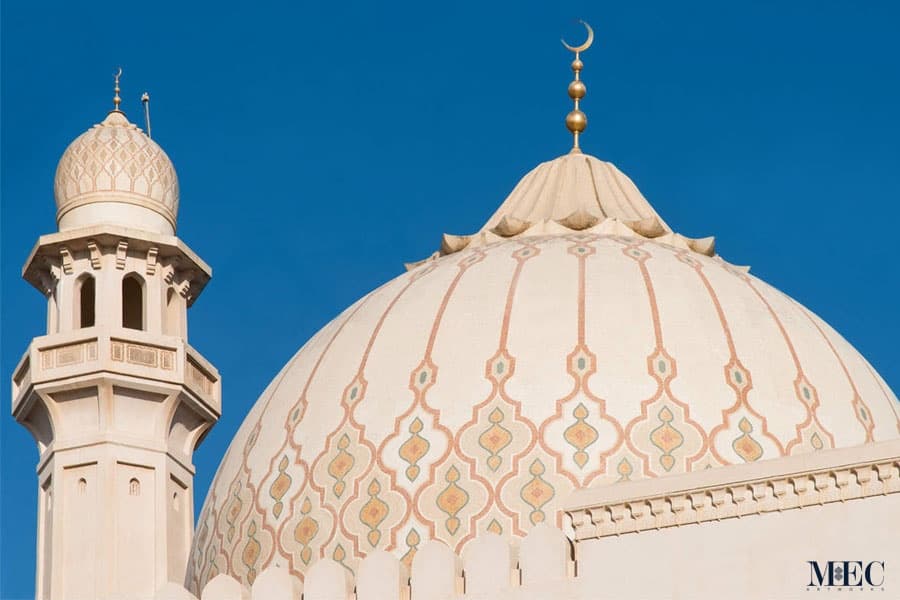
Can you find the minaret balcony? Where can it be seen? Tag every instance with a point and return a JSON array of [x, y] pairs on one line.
[[103, 351]]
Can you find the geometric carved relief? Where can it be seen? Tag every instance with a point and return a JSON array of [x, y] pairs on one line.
[[69, 355], [197, 377], [139, 354], [72, 354]]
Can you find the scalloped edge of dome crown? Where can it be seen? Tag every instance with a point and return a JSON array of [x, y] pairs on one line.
[[570, 194]]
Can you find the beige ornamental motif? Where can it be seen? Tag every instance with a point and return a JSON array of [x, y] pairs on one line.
[[477, 391], [115, 161]]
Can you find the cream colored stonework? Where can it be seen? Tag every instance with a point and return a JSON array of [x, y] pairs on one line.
[[573, 402], [113, 173], [113, 394], [747, 531], [574, 193], [689, 536], [474, 393]]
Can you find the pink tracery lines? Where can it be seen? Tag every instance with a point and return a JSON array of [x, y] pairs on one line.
[[581, 363], [298, 408], [806, 393], [499, 368], [234, 507], [352, 395], [737, 376], [860, 408], [421, 379], [664, 369]]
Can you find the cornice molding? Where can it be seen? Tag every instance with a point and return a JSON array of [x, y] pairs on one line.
[[741, 490]]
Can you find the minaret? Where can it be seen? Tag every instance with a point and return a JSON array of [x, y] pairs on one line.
[[113, 394]]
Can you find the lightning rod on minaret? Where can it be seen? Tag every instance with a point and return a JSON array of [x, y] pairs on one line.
[[145, 100]]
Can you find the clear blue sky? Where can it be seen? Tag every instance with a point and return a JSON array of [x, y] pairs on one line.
[[321, 145]]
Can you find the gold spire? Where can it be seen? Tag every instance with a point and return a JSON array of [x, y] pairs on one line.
[[576, 121], [116, 99]]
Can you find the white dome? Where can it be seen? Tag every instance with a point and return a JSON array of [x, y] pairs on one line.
[[476, 391], [114, 173]]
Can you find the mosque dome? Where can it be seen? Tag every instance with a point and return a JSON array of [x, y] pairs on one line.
[[575, 340], [115, 174]]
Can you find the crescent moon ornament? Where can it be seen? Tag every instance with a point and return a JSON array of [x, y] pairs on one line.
[[116, 99], [585, 45], [576, 120]]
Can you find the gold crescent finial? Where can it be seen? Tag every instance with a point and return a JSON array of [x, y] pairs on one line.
[[585, 45], [576, 121], [116, 99]]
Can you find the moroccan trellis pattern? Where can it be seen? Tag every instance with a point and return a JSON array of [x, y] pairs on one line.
[[475, 392], [115, 156]]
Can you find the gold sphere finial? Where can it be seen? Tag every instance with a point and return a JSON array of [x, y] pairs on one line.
[[576, 120], [116, 100]]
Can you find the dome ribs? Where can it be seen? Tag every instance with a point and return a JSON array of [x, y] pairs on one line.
[[631, 197], [861, 411], [573, 193], [884, 391], [804, 390], [664, 433], [738, 378], [590, 167], [504, 418], [446, 488], [581, 365], [321, 472], [489, 430], [251, 439]]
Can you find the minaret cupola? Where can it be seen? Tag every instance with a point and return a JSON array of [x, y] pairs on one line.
[[114, 173]]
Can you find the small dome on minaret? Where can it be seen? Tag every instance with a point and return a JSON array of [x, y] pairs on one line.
[[115, 174]]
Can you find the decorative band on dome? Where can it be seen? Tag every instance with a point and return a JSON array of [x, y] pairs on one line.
[[122, 197]]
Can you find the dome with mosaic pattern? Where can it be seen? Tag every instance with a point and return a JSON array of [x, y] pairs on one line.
[[114, 173], [574, 340]]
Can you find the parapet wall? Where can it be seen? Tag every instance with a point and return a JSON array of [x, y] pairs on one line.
[[747, 531], [540, 567]]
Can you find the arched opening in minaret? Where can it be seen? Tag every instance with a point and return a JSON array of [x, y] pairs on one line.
[[133, 301], [85, 303]]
